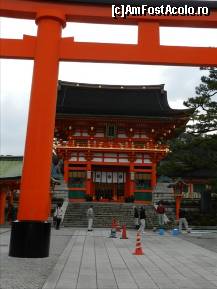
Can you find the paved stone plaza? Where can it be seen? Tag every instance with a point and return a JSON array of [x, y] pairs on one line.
[[84, 260]]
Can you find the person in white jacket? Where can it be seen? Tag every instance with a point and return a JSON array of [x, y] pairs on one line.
[[90, 216], [58, 214]]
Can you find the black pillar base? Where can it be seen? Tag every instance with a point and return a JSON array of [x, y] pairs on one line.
[[30, 239]]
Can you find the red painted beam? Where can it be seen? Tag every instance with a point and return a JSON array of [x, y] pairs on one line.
[[18, 48], [116, 53], [140, 54]]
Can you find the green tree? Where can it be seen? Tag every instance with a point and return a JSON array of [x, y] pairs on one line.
[[190, 153], [196, 149], [204, 118]]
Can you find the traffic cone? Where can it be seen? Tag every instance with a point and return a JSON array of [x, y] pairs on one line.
[[138, 250], [124, 232]]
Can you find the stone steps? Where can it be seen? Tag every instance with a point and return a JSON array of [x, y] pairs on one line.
[[162, 193], [75, 215]]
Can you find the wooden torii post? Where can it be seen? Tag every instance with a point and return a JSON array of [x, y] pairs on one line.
[[31, 234]]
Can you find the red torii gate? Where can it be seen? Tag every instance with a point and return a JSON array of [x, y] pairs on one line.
[[47, 49]]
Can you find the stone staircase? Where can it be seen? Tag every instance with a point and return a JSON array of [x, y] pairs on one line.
[[162, 193], [75, 215]]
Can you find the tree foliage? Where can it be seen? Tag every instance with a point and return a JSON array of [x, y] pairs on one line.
[[190, 153], [196, 149], [204, 118]]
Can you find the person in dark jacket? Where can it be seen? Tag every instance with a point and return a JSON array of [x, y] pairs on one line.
[[142, 217], [183, 220], [136, 217]]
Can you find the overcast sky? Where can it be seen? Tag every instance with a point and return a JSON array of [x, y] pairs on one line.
[[15, 77]]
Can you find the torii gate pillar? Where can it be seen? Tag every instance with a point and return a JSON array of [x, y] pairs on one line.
[[30, 236]]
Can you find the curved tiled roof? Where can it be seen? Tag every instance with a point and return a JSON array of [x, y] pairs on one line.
[[10, 167], [114, 100]]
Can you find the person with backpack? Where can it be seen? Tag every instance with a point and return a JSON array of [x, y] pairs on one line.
[[160, 211]]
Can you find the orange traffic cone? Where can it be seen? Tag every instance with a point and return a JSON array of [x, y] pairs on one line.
[[124, 232], [138, 250]]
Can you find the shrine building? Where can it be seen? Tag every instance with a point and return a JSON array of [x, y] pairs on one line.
[[112, 137]]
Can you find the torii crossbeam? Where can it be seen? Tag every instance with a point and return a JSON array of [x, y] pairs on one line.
[[47, 49]]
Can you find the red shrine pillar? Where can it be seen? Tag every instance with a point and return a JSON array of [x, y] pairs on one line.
[[132, 180], [66, 171], [35, 184], [10, 205], [2, 206], [154, 175], [178, 205], [88, 180]]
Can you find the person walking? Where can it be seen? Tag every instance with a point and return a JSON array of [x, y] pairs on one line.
[[183, 221], [90, 215], [160, 211], [58, 214], [142, 217], [136, 217]]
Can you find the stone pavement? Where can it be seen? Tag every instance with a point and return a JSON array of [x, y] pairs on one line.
[[92, 260], [206, 239], [23, 273]]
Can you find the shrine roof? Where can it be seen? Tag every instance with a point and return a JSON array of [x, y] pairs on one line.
[[147, 101], [11, 167]]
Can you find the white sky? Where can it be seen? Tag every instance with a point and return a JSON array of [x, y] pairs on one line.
[[15, 75]]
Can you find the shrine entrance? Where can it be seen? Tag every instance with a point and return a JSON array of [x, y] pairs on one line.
[[109, 183], [105, 192]]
